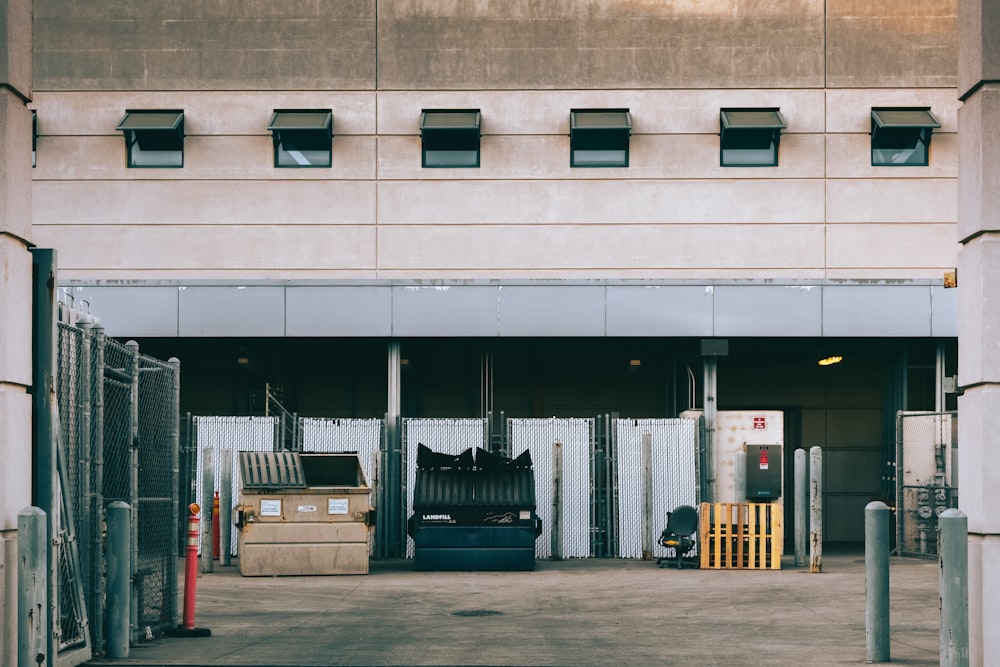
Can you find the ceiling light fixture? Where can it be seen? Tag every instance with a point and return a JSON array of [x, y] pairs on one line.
[[829, 361]]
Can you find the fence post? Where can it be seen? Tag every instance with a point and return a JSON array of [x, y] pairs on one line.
[[647, 496], [133, 349], [175, 465], [953, 555], [225, 506], [877, 582], [207, 496], [97, 449], [119, 595], [816, 509], [800, 499], [32, 589], [556, 528]]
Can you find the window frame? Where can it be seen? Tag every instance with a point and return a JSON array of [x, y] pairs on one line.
[[314, 129], [34, 139], [443, 132], [895, 128], [599, 134], [154, 130], [738, 129]]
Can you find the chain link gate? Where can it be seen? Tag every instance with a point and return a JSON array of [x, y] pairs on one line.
[[118, 433], [926, 478]]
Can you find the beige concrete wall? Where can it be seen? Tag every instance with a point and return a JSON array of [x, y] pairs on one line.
[[15, 303], [824, 212]]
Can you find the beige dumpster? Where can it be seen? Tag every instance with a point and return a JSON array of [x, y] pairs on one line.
[[302, 514]]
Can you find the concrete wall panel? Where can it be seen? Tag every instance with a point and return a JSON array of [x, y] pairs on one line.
[[138, 203], [601, 201], [622, 250], [15, 306], [15, 174], [15, 451], [979, 57], [977, 431], [979, 311], [709, 44], [206, 251], [899, 43], [849, 110], [15, 47], [850, 156], [980, 178], [191, 45], [925, 251], [892, 200], [117, 307]]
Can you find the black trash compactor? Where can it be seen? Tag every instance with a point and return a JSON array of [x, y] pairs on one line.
[[473, 512]]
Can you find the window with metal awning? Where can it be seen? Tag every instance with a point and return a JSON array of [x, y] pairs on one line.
[[302, 137], [599, 137], [749, 137], [450, 137], [153, 138], [901, 136]]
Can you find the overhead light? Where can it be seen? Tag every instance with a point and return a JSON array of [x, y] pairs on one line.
[[635, 363], [829, 361], [243, 361]]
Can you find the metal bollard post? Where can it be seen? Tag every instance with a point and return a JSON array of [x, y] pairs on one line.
[[877, 582], [191, 578], [801, 497], [119, 591], [647, 496], [556, 527], [32, 587], [953, 554], [815, 509]]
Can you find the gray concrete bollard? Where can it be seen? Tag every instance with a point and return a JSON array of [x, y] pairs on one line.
[[801, 491], [877, 582], [953, 556], [119, 591], [815, 509], [32, 588]]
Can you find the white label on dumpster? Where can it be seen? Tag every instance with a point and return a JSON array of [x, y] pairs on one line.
[[308, 508], [336, 505], [270, 508]]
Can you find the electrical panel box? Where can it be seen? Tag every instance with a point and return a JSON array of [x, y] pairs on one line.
[[763, 474]]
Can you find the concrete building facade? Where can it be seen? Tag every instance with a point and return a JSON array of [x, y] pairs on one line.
[[525, 284]]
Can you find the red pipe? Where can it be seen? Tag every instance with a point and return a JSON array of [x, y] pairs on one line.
[[191, 566]]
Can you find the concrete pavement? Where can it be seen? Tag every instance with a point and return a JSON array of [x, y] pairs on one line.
[[573, 612]]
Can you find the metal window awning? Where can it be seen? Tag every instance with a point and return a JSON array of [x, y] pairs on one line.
[[455, 120], [751, 119], [301, 120], [600, 119], [152, 121], [271, 470], [917, 118]]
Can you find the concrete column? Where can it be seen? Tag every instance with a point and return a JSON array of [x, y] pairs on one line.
[[979, 316], [15, 302]]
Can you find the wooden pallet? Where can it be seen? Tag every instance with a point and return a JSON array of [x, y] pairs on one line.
[[741, 536]]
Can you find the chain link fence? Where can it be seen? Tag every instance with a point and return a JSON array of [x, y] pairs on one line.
[[118, 429]]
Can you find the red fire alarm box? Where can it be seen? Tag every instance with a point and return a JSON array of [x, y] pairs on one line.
[[763, 474]]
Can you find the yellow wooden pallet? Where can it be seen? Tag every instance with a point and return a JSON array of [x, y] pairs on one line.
[[741, 536]]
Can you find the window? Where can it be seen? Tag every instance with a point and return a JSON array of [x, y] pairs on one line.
[[901, 136], [599, 137], [450, 138], [302, 137], [34, 136], [749, 137], [154, 138]]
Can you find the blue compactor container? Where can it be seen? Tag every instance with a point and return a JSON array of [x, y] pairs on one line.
[[474, 513]]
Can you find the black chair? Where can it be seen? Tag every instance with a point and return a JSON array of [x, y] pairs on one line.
[[678, 536]]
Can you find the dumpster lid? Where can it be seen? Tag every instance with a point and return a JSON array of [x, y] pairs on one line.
[[271, 470]]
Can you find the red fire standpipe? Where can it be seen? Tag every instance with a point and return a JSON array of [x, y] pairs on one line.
[[215, 527], [187, 629]]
